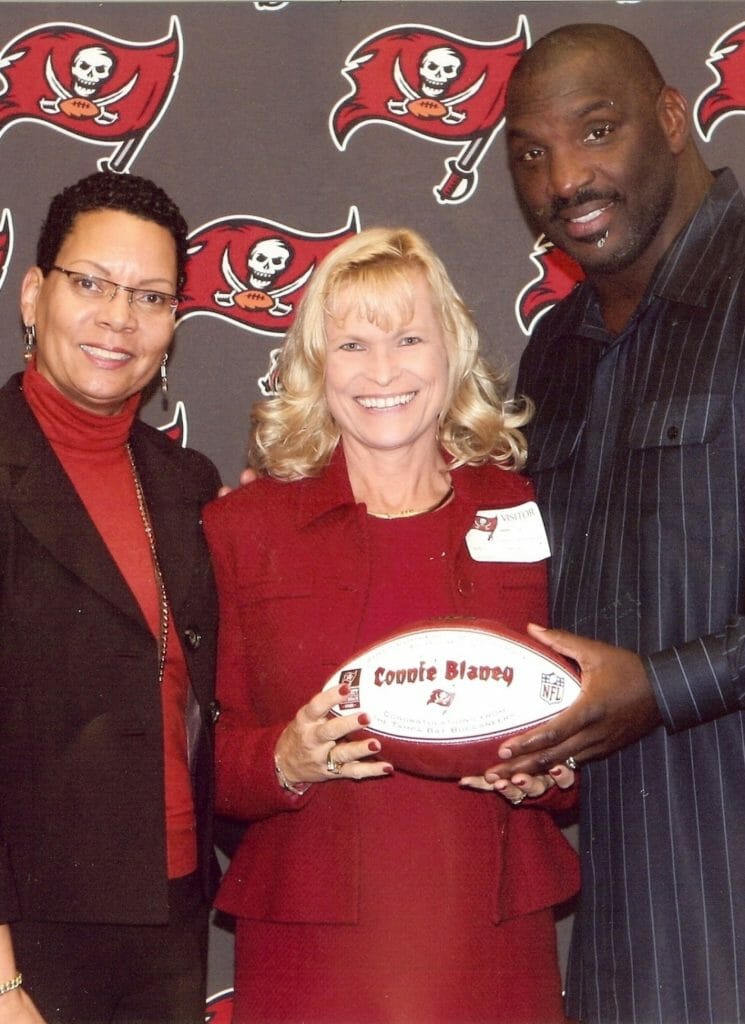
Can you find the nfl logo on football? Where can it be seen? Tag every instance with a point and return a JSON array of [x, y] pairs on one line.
[[552, 688]]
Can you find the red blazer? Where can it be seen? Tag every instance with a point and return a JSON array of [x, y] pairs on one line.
[[292, 568]]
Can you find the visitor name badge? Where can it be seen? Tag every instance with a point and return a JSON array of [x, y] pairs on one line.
[[508, 535]]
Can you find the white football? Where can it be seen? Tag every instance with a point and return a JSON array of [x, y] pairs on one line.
[[443, 696]]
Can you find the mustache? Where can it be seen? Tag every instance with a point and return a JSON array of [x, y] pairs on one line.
[[559, 204]]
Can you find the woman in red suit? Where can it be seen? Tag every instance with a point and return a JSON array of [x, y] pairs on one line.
[[363, 893]]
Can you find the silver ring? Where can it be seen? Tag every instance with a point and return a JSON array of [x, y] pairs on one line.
[[332, 765], [571, 763], [519, 800]]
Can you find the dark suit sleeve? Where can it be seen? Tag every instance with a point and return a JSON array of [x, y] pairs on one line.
[[701, 680]]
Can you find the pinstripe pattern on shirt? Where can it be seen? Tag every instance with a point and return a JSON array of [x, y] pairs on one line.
[[637, 451]]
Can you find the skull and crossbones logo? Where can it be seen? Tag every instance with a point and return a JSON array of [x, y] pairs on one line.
[[267, 260], [91, 68], [439, 69]]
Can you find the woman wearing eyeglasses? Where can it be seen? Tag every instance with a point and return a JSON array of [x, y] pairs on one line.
[[107, 622]]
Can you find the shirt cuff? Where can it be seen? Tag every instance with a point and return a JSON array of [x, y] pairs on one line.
[[700, 681]]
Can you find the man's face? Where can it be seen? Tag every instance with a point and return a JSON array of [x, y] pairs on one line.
[[590, 159]]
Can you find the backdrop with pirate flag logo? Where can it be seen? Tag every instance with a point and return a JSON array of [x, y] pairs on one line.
[[89, 84], [282, 128], [253, 272], [433, 83]]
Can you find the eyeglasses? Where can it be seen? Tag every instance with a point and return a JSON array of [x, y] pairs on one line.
[[98, 289]]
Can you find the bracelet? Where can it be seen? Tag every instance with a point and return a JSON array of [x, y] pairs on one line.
[[298, 789], [8, 986]]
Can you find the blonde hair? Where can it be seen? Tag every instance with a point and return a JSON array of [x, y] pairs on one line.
[[294, 435]]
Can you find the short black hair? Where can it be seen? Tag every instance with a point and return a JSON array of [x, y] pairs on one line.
[[106, 190]]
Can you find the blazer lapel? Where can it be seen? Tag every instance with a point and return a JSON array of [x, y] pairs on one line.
[[42, 498], [170, 505]]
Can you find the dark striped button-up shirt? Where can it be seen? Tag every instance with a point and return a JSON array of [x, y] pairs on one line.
[[637, 452]]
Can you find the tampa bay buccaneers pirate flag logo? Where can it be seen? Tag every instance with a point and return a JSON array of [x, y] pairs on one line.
[[92, 86], [435, 84], [557, 276], [727, 96], [254, 272]]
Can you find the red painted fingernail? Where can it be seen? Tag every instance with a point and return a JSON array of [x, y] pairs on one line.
[[373, 746], [388, 770], [556, 770], [344, 690], [363, 719]]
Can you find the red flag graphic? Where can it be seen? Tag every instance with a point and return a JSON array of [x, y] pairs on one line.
[[254, 272], [6, 243], [178, 428], [219, 1008], [727, 95], [432, 83], [557, 275], [486, 524], [443, 698], [90, 85]]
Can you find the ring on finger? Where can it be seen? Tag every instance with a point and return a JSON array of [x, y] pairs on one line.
[[333, 765], [571, 763], [518, 800]]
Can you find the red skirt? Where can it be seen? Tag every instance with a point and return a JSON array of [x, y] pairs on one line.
[[339, 974]]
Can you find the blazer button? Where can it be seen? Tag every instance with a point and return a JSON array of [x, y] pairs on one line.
[[465, 587], [193, 638], [214, 711]]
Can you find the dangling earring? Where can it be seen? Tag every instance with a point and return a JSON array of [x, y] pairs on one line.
[[164, 375], [29, 341]]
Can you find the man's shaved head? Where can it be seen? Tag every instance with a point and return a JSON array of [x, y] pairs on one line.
[[609, 44]]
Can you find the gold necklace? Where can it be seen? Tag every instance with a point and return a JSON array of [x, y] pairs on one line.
[[163, 597], [405, 513]]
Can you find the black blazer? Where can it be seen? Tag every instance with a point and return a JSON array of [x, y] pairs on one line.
[[82, 834]]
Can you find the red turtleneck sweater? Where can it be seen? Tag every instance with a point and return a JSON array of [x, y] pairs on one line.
[[93, 453]]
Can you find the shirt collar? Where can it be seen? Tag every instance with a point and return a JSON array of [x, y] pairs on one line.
[[320, 495], [691, 267]]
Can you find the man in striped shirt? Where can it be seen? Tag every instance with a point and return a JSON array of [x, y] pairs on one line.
[[637, 450]]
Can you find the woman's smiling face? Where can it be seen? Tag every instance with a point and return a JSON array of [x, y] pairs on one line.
[[386, 388], [100, 352]]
